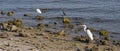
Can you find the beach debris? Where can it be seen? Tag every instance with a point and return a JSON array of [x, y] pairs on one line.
[[38, 17], [4, 35], [2, 12], [26, 14], [66, 20], [103, 32], [10, 13], [40, 26]]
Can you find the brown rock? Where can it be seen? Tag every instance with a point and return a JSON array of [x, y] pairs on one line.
[[17, 22], [66, 20], [103, 32], [26, 14], [10, 14]]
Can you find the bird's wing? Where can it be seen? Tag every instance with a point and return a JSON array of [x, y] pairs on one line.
[[89, 34], [39, 11]]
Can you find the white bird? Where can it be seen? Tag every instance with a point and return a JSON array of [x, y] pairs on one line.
[[88, 32], [39, 11]]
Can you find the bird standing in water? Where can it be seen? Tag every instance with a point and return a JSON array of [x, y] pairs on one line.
[[89, 33], [39, 11]]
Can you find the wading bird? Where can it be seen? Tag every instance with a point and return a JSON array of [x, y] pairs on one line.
[[88, 32], [39, 11], [64, 14]]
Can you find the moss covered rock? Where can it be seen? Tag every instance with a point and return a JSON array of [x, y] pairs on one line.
[[103, 32], [10, 14], [11, 25], [17, 22], [66, 20]]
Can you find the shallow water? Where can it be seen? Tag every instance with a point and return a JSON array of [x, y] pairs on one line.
[[90, 10]]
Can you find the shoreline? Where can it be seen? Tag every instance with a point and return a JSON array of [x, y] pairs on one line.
[[31, 39], [53, 34]]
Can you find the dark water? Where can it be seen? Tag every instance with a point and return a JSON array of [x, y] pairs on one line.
[[90, 10], [77, 8]]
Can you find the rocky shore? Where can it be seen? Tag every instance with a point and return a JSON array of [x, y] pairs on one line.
[[14, 36]]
